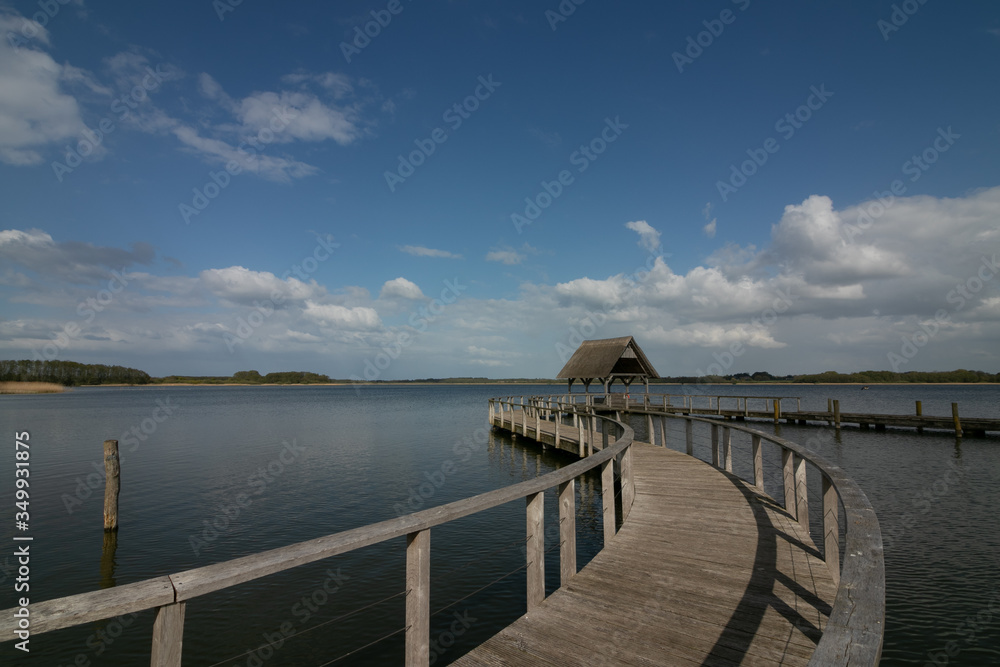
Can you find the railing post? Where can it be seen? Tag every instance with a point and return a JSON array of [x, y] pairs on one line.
[[535, 545], [801, 493], [418, 598], [727, 448], [663, 431], [788, 477], [649, 429], [608, 499], [831, 529], [558, 421], [567, 531], [628, 483], [579, 429], [689, 435], [524, 419], [538, 425], [758, 462], [168, 636], [715, 445]]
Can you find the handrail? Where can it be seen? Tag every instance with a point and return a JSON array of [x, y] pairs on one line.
[[169, 594]]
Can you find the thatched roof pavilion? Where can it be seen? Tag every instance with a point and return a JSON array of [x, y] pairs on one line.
[[608, 360]]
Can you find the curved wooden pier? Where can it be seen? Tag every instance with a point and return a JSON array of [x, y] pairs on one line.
[[705, 570]]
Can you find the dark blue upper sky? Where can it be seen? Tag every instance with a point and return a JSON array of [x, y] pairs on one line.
[[738, 150]]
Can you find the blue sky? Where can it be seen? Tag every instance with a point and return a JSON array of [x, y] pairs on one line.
[[473, 187]]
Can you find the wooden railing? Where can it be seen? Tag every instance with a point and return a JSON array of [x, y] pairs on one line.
[[169, 594], [854, 630]]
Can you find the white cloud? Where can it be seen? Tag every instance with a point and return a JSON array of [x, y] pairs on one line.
[[401, 288], [240, 285], [35, 113], [421, 251], [505, 256], [649, 238], [342, 317], [709, 229]]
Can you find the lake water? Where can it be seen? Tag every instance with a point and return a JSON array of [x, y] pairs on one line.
[[301, 462]]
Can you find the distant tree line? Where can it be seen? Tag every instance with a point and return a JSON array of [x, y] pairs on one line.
[[69, 373], [830, 377], [250, 377]]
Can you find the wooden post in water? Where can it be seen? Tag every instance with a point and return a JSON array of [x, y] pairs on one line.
[[958, 422], [112, 484], [777, 410], [829, 408], [836, 413], [920, 412]]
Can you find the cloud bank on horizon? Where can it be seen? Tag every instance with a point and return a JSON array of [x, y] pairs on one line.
[[169, 210]]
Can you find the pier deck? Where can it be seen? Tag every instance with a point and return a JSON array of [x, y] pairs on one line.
[[706, 570]]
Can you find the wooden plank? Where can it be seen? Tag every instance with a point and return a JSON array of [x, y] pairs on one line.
[[418, 598], [90, 607], [831, 529], [608, 501], [788, 480], [758, 462], [168, 636], [535, 545], [567, 531], [801, 493]]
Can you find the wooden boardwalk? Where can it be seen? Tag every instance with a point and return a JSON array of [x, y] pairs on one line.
[[706, 570]]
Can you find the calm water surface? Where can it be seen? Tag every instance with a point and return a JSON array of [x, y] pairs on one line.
[[231, 471]]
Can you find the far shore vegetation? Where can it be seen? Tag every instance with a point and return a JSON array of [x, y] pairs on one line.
[[35, 376]]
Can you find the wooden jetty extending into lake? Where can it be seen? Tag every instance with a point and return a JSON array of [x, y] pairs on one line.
[[777, 409], [705, 568]]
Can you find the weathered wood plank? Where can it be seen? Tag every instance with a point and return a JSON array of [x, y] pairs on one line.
[[168, 636], [89, 607]]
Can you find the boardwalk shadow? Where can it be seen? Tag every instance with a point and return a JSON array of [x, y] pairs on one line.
[[738, 633]]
